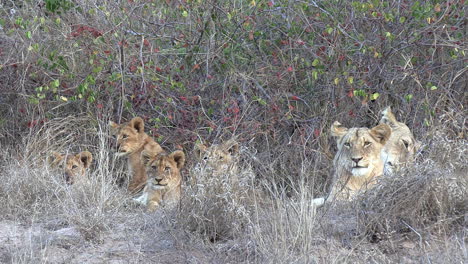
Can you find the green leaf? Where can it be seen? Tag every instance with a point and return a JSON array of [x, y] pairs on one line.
[[28, 35], [315, 62], [408, 97], [374, 96], [433, 87], [315, 74], [55, 83]]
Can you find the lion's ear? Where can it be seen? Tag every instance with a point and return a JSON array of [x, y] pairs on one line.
[[381, 133], [146, 157], [138, 124], [179, 157], [388, 117], [232, 148], [338, 130], [86, 158], [55, 158], [114, 127], [199, 149], [417, 145]]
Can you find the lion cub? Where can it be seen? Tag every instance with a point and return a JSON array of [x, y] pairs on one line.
[[164, 179], [357, 163], [131, 141], [73, 166], [401, 146], [219, 158]]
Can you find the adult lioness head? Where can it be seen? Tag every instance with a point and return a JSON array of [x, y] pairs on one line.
[[401, 146], [164, 179], [357, 162], [358, 153], [219, 158], [73, 167], [131, 141]]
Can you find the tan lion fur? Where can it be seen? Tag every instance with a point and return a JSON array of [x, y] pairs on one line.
[[164, 180], [73, 166], [401, 146], [131, 141], [357, 162], [218, 159]]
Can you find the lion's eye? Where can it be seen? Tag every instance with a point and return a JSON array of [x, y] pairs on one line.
[[124, 136], [221, 157], [154, 167], [167, 168], [367, 143], [74, 167], [347, 144]]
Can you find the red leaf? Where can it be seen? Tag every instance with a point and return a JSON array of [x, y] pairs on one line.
[[290, 69], [316, 132]]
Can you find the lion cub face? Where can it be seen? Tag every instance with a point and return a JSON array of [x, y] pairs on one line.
[[164, 180], [221, 158], [401, 146], [130, 136], [163, 170], [73, 167], [359, 149]]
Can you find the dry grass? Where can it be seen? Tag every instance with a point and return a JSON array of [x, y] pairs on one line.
[[233, 218], [431, 196], [275, 74]]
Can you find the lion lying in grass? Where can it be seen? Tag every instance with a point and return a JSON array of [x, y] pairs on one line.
[[131, 141], [164, 179], [357, 163], [74, 166], [218, 158], [401, 146]]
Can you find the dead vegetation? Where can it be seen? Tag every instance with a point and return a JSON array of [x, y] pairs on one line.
[[272, 74]]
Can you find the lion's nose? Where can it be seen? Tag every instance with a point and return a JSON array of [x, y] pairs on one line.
[[158, 180], [68, 178], [356, 160]]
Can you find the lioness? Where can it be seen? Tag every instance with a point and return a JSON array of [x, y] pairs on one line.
[[73, 166], [401, 146], [131, 141], [218, 158], [357, 162], [164, 179]]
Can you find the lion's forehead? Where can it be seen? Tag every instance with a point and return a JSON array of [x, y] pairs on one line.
[[359, 135], [73, 160], [127, 130], [162, 163]]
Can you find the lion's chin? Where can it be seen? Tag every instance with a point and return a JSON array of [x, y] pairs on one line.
[[159, 187], [360, 171]]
